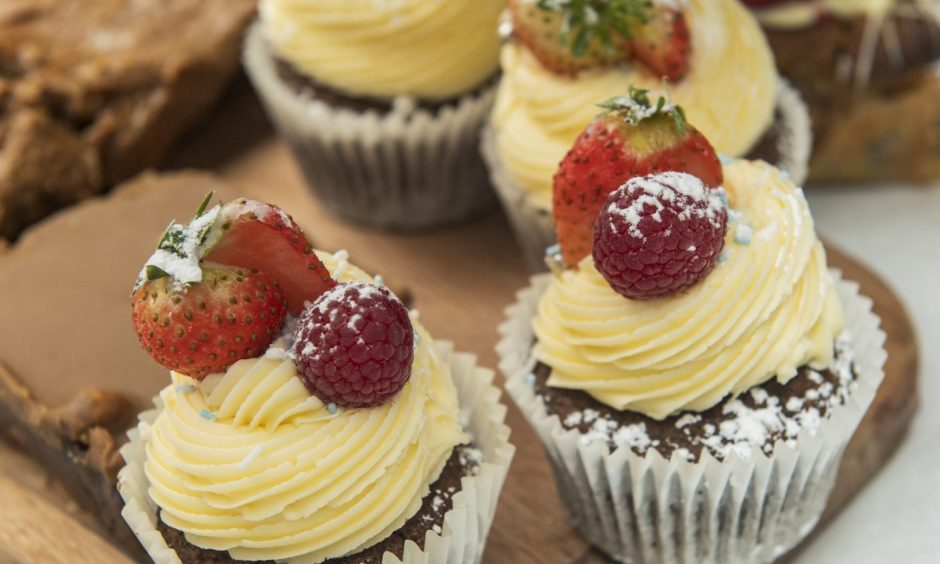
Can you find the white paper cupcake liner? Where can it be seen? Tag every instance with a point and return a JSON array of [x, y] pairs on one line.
[[649, 509], [534, 227], [466, 525], [794, 133], [406, 169]]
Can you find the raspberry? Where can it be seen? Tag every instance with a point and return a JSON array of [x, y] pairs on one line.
[[659, 234], [354, 346]]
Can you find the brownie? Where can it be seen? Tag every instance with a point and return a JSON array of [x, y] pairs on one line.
[[464, 461], [76, 443], [758, 418], [94, 91], [67, 395], [306, 86]]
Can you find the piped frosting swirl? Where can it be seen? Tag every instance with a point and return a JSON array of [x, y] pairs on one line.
[[249, 462], [766, 309], [387, 48], [728, 95]]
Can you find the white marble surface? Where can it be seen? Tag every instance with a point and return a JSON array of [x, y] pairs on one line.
[[896, 231]]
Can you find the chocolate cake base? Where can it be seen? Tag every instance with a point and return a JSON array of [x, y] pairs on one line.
[[464, 461], [777, 411], [305, 85], [402, 164]]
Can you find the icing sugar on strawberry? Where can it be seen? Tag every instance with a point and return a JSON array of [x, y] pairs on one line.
[[640, 191], [569, 36], [241, 280], [634, 137]]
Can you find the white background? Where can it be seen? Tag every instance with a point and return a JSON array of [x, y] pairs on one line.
[[896, 231]]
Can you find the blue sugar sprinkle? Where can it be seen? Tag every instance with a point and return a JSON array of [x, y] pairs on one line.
[[530, 379], [723, 196], [725, 159], [742, 235], [722, 258], [553, 258], [331, 407], [784, 175], [206, 414], [379, 281], [184, 388]]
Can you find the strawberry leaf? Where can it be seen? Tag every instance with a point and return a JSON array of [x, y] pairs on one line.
[[204, 204], [636, 107], [603, 20], [152, 272]]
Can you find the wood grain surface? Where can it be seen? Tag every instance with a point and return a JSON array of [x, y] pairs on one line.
[[462, 279]]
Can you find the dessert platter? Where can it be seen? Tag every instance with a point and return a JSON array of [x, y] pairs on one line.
[[337, 350]]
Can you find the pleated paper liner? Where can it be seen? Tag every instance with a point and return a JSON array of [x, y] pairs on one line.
[[466, 525], [652, 509], [406, 169]]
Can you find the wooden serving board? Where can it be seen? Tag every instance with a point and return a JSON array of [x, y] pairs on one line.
[[462, 279]]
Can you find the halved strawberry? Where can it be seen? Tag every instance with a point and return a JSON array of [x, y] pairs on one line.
[[568, 36], [261, 236], [542, 30], [663, 43], [204, 327], [633, 138], [765, 3]]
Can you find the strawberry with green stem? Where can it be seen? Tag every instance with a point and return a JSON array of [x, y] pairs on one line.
[[633, 137], [202, 328], [568, 36], [218, 288]]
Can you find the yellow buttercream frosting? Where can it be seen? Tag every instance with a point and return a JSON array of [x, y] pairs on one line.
[[769, 307], [249, 462], [728, 95], [429, 49]]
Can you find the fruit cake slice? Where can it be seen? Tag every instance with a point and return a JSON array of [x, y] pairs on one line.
[[868, 73]]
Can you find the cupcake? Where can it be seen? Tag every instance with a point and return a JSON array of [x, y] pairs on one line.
[[382, 102], [308, 417], [711, 57], [695, 371], [868, 73]]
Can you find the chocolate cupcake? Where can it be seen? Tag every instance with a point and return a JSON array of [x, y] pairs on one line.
[[309, 416], [717, 66], [382, 103], [867, 71], [695, 376]]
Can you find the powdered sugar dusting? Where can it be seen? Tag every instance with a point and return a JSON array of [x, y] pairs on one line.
[[276, 351], [609, 431], [666, 187], [751, 423], [754, 426], [181, 249]]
